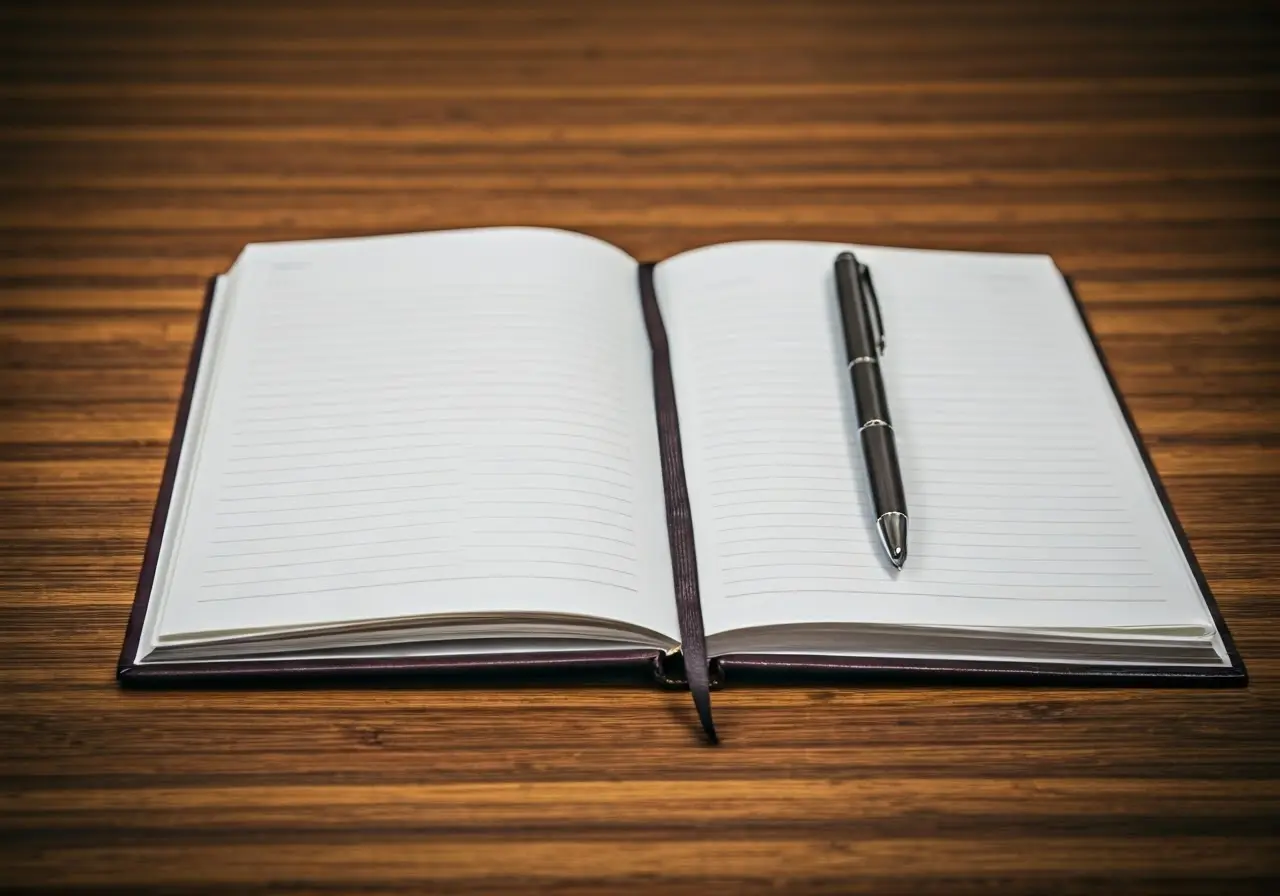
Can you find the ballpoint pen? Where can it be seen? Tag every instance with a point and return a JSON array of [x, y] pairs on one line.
[[864, 343]]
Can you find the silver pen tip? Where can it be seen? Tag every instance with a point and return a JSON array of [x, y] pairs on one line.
[[893, 532]]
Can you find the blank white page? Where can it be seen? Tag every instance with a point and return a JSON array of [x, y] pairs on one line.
[[436, 424], [1029, 505]]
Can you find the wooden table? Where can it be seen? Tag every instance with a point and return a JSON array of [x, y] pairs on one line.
[[144, 144]]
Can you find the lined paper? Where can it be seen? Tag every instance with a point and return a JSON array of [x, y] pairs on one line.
[[434, 424], [1029, 506]]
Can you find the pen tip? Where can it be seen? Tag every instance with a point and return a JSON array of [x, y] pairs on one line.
[[893, 532]]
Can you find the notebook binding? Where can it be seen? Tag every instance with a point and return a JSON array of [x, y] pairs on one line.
[[669, 671]]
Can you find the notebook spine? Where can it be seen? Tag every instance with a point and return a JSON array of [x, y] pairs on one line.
[[669, 671]]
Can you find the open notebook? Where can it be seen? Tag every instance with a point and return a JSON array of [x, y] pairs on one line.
[[508, 446]]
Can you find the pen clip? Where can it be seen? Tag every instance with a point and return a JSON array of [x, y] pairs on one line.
[[873, 303]]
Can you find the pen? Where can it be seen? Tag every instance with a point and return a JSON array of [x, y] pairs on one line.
[[864, 342]]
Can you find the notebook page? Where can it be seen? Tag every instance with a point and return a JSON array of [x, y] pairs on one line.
[[1029, 505], [428, 424]]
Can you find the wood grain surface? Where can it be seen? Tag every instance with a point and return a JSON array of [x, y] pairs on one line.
[[144, 144]]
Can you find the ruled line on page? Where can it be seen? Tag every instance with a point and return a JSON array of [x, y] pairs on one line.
[[511, 331], [443, 562], [442, 444], [427, 581], [359, 419], [550, 532], [260, 538], [309, 467], [212, 571], [935, 551], [497, 549], [389, 368], [1037, 586], [558, 489], [321, 520], [527, 338], [540, 518], [307, 508], [413, 447], [851, 503], [931, 566], [420, 387], [399, 429], [839, 474], [835, 592], [477, 461], [313, 576], [330, 547], [553, 502], [410, 394], [450, 487], [481, 380], [585, 320], [769, 487]]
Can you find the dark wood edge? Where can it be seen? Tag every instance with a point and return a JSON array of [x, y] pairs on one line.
[[1234, 675]]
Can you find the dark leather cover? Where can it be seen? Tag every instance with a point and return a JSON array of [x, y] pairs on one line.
[[645, 661], [758, 666]]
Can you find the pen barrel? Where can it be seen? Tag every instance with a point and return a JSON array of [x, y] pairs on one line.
[[881, 454], [868, 392]]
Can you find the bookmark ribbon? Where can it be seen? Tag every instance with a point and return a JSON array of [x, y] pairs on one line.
[[684, 564]]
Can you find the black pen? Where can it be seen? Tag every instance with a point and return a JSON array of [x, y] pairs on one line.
[[864, 342]]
